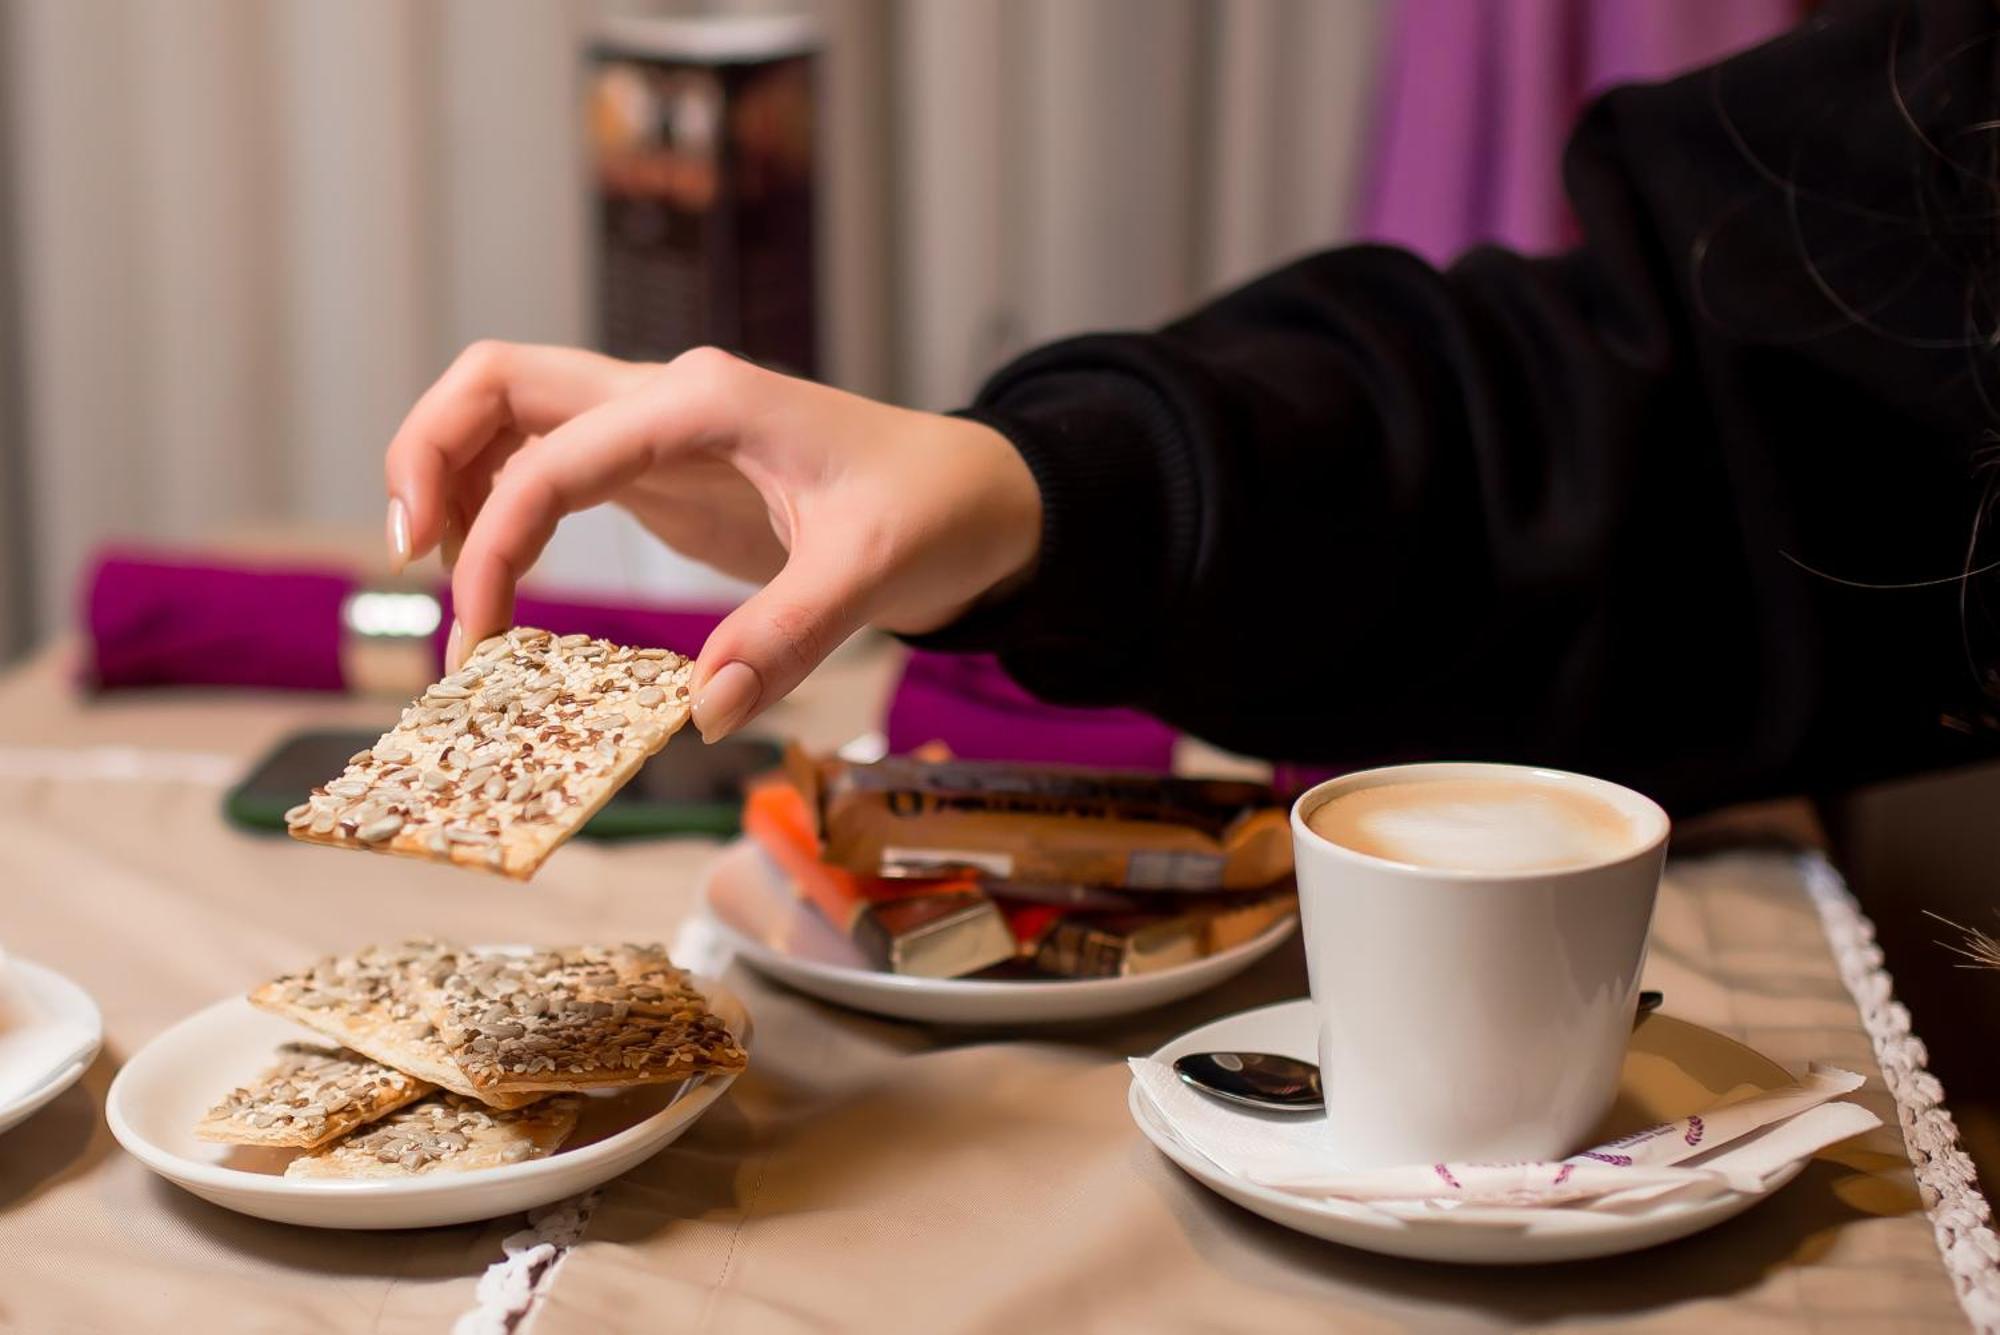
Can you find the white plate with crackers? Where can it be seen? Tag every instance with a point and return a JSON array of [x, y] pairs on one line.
[[165, 1099], [750, 906]]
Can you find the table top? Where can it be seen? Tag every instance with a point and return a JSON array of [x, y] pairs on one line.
[[864, 1173]]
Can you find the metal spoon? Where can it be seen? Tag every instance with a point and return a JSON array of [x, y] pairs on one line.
[[1282, 1084]]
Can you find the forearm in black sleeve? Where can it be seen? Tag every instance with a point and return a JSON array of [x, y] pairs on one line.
[[1547, 510]]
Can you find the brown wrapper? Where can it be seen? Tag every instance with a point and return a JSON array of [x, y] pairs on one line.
[[903, 817], [933, 936], [1111, 945]]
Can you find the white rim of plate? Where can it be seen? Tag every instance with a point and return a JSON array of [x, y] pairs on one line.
[[46, 1090], [169, 1164], [1200, 1167], [757, 951], [49, 1090]]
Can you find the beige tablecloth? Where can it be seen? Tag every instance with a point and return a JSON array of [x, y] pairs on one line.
[[864, 1174]]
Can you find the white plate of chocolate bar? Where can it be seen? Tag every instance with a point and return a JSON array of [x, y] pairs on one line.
[[531, 1086], [756, 911]]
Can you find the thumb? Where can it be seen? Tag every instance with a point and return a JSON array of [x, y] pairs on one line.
[[767, 646]]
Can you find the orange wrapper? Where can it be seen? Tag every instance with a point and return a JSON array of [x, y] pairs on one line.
[[942, 927]]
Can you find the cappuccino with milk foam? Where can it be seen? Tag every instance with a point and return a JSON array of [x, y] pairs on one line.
[[1502, 825]]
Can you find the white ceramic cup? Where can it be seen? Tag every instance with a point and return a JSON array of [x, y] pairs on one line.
[[1471, 1016]]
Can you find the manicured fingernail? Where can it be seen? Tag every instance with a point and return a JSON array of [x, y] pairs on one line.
[[726, 701], [454, 648], [399, 534]]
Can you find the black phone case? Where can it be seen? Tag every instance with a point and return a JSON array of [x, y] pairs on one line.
[[273, 787]]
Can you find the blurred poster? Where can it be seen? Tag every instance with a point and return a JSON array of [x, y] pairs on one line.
[[701, 168], [701, 137]]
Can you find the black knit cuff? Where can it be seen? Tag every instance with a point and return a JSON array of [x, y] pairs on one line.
[[1117, 517]]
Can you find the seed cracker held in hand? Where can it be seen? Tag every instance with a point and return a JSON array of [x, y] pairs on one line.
[[500, 762]]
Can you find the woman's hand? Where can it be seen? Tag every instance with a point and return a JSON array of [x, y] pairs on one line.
[[846, 510]]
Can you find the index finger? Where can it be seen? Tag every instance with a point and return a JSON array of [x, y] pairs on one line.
[[492, 389], [582, 463]]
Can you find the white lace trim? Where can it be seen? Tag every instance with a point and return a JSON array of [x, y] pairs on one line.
[[511, 1286], [1945, 1176]]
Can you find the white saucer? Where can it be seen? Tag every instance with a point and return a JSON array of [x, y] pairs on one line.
[[173, 1080], [74, 1033], [1672, 1068], [750, 904]]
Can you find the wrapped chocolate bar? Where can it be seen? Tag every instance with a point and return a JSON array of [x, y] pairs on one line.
[[1139, 940], [943, 928], [902, 817]]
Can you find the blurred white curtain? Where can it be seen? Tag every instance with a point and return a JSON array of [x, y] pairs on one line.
[[250, 231], [1066, 165], [15, 576]]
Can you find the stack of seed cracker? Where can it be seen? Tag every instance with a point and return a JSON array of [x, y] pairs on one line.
[[453, 1059]]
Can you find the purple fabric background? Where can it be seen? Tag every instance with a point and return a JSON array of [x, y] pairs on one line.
[[965, 701], [1477, 98], [161, 620], [681, 629], [970, 704], [158, 620]]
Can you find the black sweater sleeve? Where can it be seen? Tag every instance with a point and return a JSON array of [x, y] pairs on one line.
[[1610, 509]]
